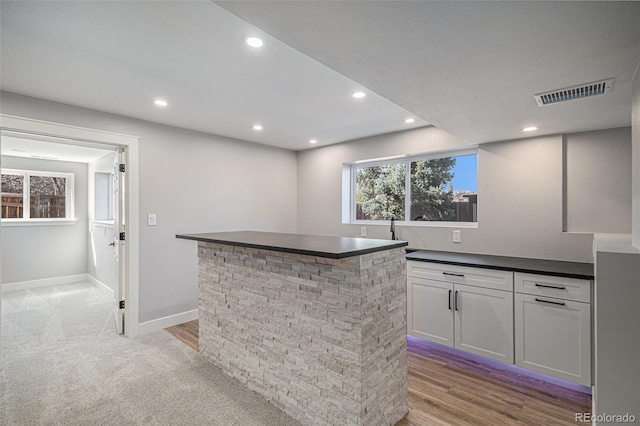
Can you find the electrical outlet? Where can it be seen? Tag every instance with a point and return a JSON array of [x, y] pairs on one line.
[[363, 231], [457, 237]]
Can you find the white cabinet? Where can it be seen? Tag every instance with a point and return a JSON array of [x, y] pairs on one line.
[[480, 310], [553, 326], [463, 307], [430, 314], [484, 322]]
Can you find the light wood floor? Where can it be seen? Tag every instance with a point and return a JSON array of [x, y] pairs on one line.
[[447, 389]]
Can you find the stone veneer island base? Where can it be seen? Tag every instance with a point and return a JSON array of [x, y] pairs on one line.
[[314, 324]]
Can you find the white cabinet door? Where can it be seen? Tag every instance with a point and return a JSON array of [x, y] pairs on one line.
[[553, 337], [484, 322], [430, 310]]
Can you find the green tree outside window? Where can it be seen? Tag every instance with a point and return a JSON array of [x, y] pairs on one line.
[[381, 192]]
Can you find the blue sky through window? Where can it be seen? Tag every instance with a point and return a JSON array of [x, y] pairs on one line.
[[466, 173]]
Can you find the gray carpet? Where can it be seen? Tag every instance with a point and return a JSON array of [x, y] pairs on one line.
[[63, 364]]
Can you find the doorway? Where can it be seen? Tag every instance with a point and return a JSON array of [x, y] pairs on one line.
[[123, 223]]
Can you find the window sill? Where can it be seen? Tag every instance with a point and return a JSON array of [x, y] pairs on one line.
[[403, 224], [38, 222], [104, 224]]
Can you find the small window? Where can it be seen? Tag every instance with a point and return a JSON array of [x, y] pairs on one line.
[[12, 196], [423, 189], [103, 192], [36, 195]]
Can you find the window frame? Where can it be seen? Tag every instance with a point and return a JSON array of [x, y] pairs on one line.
[[26, 198], [406, 160]]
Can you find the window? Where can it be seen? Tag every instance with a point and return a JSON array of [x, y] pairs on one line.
[[36, 195], [103, 193], [380, 192], [424, 189]]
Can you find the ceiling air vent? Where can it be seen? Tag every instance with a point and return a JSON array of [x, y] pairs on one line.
[[575, 92]]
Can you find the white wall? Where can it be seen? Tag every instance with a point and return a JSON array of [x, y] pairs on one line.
[[47, 251], [617, 296], [598, 181], [194, 182], [520, 202], [617, 343]]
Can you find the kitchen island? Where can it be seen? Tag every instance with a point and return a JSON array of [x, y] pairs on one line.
[[315, 324]]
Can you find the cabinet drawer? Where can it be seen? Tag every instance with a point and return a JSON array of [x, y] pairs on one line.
[[479, 277], [556, 287]]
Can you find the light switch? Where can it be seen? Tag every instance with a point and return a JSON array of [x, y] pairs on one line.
[[151, 219]]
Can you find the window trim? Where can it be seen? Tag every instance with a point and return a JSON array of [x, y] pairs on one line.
[[38, 222], [406, 160], [69, 218]]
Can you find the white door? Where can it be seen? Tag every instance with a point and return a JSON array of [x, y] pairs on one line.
[[553, 337], [120, 243], [484, 322], [431, 310]]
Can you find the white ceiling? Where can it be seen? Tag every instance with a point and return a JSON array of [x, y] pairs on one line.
[[46, 148], [119, 56], [470, 68]]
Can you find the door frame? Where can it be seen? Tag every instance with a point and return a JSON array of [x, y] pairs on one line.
[[90, 137]]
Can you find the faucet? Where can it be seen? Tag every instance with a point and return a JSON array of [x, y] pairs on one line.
[[393, 228]]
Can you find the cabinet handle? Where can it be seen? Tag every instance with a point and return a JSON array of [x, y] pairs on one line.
[[453, 275], [557, 287], [455, 300], [449, 299], [549, 301]]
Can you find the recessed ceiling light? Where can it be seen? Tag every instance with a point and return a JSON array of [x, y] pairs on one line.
[[359, 95], [257, 127], [160, 102], [529, 129], [313, 141], [410, 120], [254, 42], [43, 157]]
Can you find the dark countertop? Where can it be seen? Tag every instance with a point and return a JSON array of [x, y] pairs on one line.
[[312, 245], [516, 264]]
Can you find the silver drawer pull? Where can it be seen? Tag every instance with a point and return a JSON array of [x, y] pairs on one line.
[[453, 275], [557, 287], [549, 301]]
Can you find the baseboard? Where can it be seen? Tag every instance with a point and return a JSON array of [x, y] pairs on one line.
[[164, 322], [101, 286], [45, 282]]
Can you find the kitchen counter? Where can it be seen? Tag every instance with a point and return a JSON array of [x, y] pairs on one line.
[[516, 264], [311, 245]]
